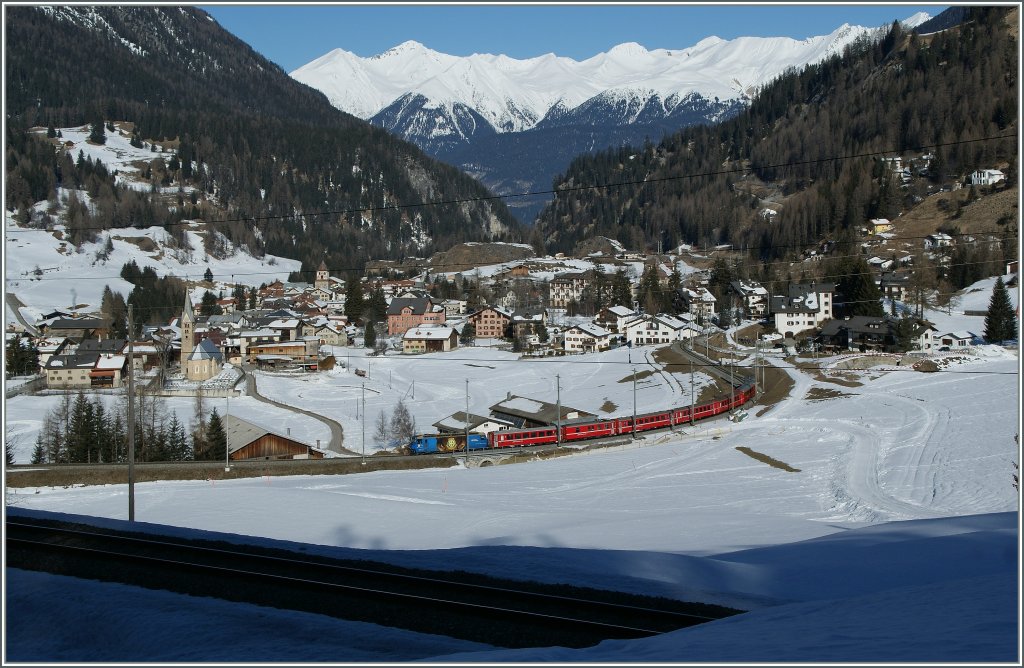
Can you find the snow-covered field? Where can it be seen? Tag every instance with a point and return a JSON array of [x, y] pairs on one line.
[[900, 519]]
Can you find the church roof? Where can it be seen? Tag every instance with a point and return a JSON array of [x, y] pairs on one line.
[[207, 350]]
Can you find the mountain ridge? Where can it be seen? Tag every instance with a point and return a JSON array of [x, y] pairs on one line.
[[476, 111], [494, 85]]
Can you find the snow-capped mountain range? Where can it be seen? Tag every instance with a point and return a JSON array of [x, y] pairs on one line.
[[515, 124], [515, 95]]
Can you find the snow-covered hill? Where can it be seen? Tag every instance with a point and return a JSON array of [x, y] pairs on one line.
[[44, 272]]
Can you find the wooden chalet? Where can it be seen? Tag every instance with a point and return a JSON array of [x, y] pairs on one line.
[[248, 441]]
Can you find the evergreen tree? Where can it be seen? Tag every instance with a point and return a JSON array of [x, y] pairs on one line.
[[672, 301], [39, 452], [376, 307], [208, 304], [542, 332], [239, 296], [97, 133], [468, 334], [101, 432], [904, 332], [14, 357], [80, 430], [113, 307], [1000, 320], [649, 293], [8, 452], [216, 437], [721, 277], [622, 295], [177, 443], [862, 296], [369, 335], [354, 302], [208, 275]]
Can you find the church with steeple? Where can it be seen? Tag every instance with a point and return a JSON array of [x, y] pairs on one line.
[[200, 361], [323, 277]]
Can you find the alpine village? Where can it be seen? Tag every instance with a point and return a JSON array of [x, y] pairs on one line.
[[827, 215]]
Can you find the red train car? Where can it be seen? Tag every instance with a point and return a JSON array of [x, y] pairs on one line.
[[578, 430], [516, 438]]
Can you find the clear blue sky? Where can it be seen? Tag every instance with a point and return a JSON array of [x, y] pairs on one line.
[[293, 35]]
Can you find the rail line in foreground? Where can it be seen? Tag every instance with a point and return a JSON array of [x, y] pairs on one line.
[[456, 604]]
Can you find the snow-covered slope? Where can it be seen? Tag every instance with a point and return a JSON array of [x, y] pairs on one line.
[[45, 271]]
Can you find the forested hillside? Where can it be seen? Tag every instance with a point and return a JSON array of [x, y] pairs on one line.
[[951, 94], [262, 151]]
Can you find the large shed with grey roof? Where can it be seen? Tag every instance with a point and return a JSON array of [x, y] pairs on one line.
[[524, 412], [251, 441]]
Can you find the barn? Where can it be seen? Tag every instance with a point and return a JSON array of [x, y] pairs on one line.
[[251, 441]]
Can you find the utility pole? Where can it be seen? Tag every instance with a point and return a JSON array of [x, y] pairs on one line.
[[466, 423], [692, 398], [363, 423], [227, 431], [558, 417], [732, 385], [634, 403], [757, 360], [131, 417]]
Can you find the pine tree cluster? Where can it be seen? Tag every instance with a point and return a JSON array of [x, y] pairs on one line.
[[83, 429]]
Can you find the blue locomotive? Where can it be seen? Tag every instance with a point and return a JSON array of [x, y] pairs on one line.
[[429, 443]]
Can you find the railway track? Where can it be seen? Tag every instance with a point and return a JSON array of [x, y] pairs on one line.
[[456, 604]]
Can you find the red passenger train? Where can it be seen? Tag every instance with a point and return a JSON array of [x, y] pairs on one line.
[[578, 430]]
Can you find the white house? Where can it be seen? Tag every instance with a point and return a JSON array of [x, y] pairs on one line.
[[613, 318], [454, 307], [460, 421], [429, 338], [986, 177], [955, 339], [586, 338], [937, 240], [646, 330], [699, 302], [805, 307], [754, 297], [331, 334]]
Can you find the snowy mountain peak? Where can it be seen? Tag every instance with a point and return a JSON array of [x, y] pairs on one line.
[[915, 20], [628, 49], [512, 95], [407, 47]]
